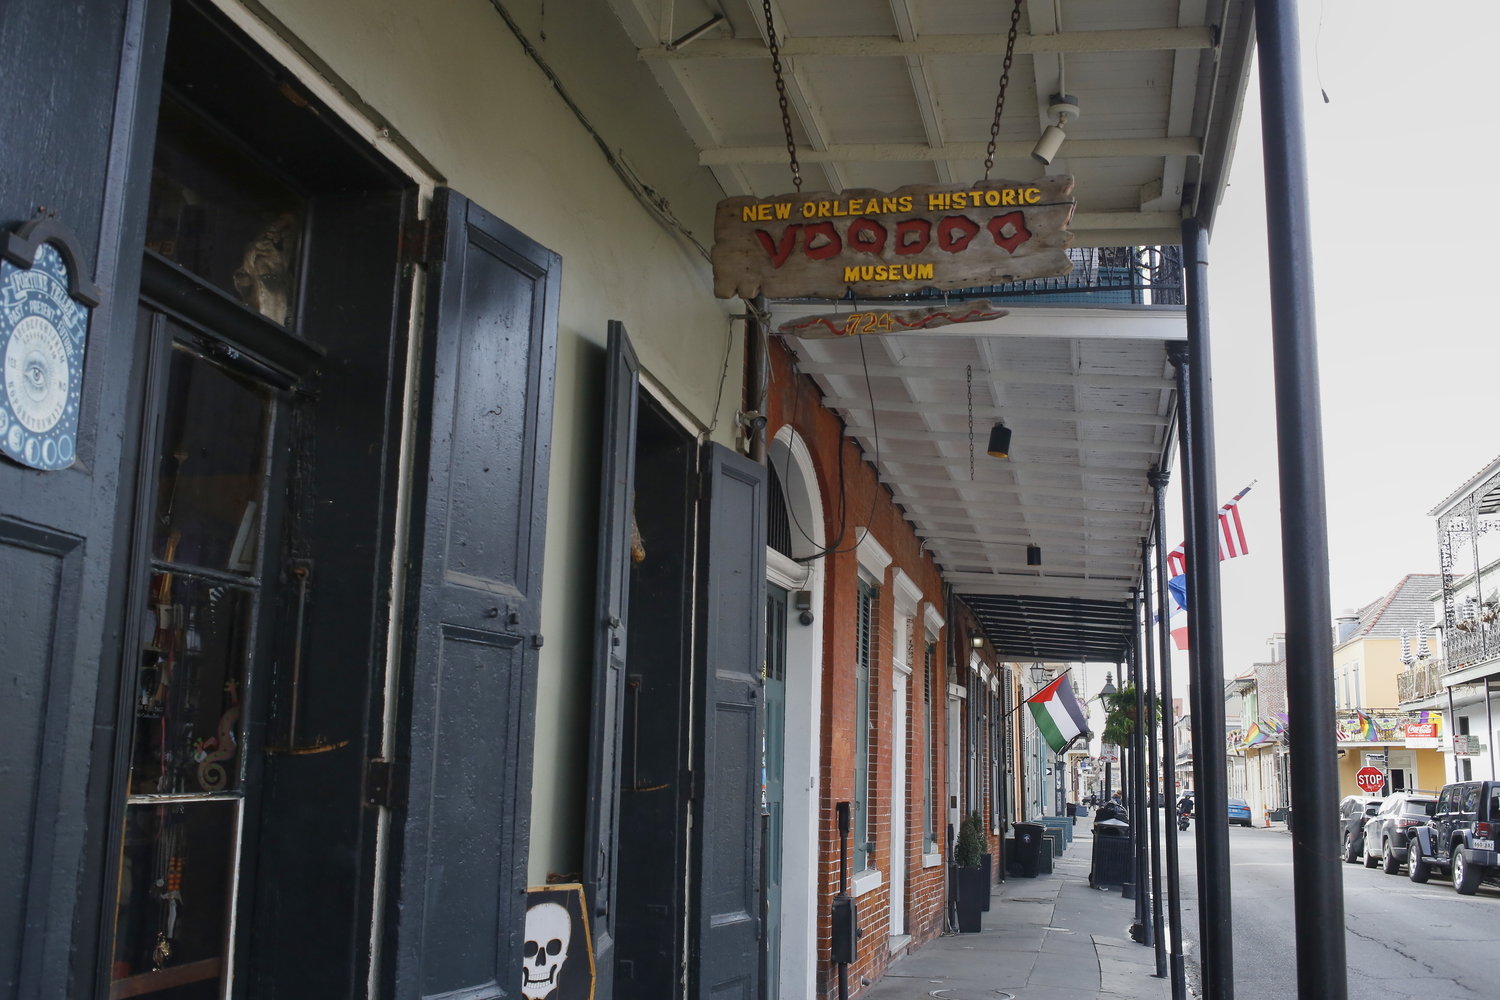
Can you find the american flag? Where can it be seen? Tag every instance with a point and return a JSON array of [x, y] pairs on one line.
[[1231, 537]]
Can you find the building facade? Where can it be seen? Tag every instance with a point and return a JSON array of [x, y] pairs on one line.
[[398, 534]]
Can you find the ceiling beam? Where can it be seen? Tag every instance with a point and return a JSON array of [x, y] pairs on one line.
[[911, 152], [1017, 488], [886, 46], [934, 524], [986, 506], [952, 373], [1042, 468], [921, 86], [857, 430], [1010, 412]]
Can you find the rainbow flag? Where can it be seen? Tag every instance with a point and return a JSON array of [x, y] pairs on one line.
[[1366, 727], [1255, 736]]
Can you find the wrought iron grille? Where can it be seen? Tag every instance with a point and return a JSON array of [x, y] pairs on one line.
[[1471, 607], [1100, 276]]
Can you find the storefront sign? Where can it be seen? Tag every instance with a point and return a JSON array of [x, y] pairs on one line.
[[45, 298], [1109, 753], [893, 243], [558, 957], [1422, 734], [876, 321], [1370, 780]]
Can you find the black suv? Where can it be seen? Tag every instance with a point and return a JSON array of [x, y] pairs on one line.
[[1460, 837], [1354, 812], [1386, 831]]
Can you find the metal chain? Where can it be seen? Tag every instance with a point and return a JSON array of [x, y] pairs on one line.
[[1010, 54], [969, 380], [786, 118]]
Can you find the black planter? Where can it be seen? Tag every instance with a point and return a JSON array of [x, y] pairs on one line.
[[987, 865], [971, 892]]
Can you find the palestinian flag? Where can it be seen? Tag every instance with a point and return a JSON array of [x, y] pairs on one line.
[[1058, 714]]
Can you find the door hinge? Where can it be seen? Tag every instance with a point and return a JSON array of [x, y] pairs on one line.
[[705, 485], [421, 242], [385, 784], [689, 785]]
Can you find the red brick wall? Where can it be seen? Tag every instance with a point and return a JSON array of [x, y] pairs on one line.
[[795, 400]]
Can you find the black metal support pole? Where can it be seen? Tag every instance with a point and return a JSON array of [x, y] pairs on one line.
[[1177, 354], [1158, 479], [1140, 799], [1153, 763], [1207, 641], [1316, 876]]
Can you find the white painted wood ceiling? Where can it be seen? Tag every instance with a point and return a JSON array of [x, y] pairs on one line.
[[885, 93], [1088, 416], [891, 92]]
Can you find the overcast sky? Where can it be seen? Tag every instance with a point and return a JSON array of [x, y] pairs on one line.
[[1406, 297]]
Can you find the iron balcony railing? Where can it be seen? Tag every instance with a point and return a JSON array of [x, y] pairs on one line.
[[1472, 640], [1420, 681], [1101, 276]]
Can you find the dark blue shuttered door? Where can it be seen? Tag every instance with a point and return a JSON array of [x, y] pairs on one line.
[[731, 653], [611, 604], [472, 613]]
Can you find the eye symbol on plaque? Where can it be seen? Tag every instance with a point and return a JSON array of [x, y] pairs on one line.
[[43, 334]]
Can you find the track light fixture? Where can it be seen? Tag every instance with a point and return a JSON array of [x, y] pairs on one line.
[[1065, 108], [1033, 555], [999, 441]]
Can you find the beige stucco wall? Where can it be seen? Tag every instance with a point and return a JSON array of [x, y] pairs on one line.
[[454, 81], [1380, 662]]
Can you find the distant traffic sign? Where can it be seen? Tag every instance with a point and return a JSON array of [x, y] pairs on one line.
[[1370, 780]]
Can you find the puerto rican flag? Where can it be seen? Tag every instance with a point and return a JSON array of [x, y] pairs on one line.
[[1232, 543]]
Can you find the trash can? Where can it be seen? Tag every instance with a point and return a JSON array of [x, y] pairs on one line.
[[1112, 862], [1028, 848]]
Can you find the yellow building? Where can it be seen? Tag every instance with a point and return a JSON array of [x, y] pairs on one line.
[[1367, 658]]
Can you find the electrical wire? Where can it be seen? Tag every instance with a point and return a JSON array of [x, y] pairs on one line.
[[836, 548], [648, 196], [723, 375]]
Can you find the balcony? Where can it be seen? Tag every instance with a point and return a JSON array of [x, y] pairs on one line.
[[1101, 276], [1421, 681], [1474, 640]]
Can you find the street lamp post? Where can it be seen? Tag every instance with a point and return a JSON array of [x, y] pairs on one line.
[[1108, 689]]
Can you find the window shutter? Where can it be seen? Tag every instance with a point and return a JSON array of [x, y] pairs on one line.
[[472, 611], [611, 628], [731, 651]]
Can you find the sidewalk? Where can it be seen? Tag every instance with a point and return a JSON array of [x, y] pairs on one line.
[[1048, 938]]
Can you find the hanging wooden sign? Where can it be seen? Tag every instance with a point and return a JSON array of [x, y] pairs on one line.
[[893, 243], [866, 322]]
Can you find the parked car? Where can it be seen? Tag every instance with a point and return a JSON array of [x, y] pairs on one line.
[[1460, 837], [1239, 812], [1386, 832], [1354, 812]]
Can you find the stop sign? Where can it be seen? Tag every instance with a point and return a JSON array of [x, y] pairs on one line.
[[1370, 780]]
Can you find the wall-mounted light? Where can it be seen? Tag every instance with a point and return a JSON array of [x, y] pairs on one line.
[[1065, 108], [1040, 674], [1033, 555], [976, 640], [999, 441]]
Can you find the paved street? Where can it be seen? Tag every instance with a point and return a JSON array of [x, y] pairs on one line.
[[1404, 939]]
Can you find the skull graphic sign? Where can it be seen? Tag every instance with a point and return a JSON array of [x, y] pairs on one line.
[[557, 961]]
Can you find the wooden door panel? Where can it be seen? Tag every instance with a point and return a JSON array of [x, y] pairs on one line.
[[472, 609]]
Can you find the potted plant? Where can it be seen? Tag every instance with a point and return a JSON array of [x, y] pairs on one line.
[[968, 877]]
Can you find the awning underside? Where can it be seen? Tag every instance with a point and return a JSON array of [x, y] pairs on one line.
[[1054, 629]]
